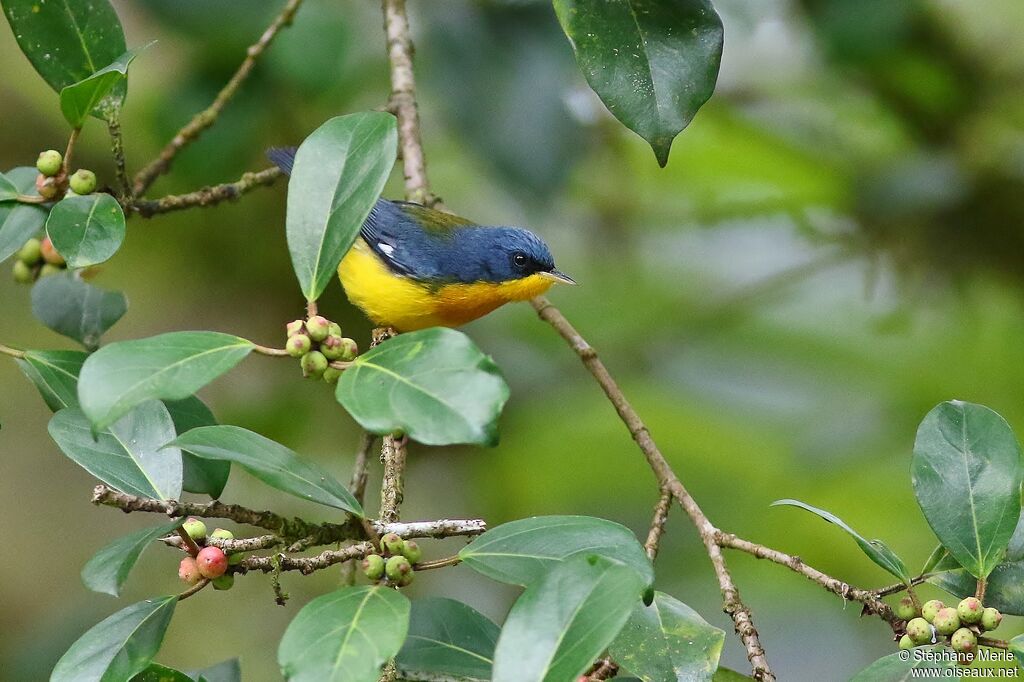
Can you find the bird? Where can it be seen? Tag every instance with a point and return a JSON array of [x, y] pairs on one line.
[[414, 267]]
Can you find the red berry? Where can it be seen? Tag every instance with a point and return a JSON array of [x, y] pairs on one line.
[[212, 562], [188, 571], [49, 253]]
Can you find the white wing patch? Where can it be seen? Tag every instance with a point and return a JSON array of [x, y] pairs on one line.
[[387, 249]]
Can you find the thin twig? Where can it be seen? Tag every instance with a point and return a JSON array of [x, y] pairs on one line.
[[271, 352], [124, 184], [69, 152], [13, 352], [658, 524], [392, 491], [900, 587], [187, 541], [206, 196], [192, 590], [438, 563], [357, 486]]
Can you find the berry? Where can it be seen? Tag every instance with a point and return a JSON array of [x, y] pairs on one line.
[[396, 568], [906, 609], [318, 327], [412, 552], [224, 582], [50, 269], [298, 345], [188, 570], [212, 562], [991, 618], [947, 621], [222, 534], [235, 559], [313, 364], [49, 162], [48, 188], [334, 329], [49, 253], [373, 566], [964, 641], [919, 630], [405, 579], [349, 350], [331, 347], [970, 610], [30, 253], [22, 273], [195, 528], [392, 544], [83, 181], [930, 608], [295, 327], [906, 642], [332, 375]]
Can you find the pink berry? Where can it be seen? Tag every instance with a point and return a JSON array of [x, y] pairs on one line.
[[188, 570], [212, 562]]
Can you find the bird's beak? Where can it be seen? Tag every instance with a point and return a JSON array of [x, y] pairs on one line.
[[557, 276]]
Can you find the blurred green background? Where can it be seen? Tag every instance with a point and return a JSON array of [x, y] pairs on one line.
[[836, 245]]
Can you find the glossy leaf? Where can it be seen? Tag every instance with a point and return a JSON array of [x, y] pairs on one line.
[[892, 668], [8, 190], [271, 462], [876, 550], [66, 40], [225, 671], [119, 646], [161, 673], [107, 570], [86, 230], [434, 385], [130, 455], [966, 473], [564, 621], [1017, 647], [339, 172], [668, 641], [92, 95], [76, 309], [524, 551], [727, 675], [170, 366], [55, 374], [20, 222], [447, 640], [345, 636], [653, 64], [199, 475]]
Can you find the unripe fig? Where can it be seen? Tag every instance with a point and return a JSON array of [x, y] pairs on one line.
[[964, 641], [50, 269], [235, 559], [412, 552], [906, 609], [947, 621], [49, 162], [49, 253], [930, 608], [991, 618], [22, 273], [313, 364], [392, 544], [83, 182], [222, 534], [195, 528], [334, 329], [318, 327], [188, 570], [224, 582], [906, 642], [298, 345], [295, 327], [970, 610], [212, 562], [332, 375], [331, 347], [396, 568], [919, 630], [349, 349], [405, 579], [47, 187], [373, 566], [30, 253]]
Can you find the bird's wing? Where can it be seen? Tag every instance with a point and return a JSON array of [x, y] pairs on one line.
[[411, 239]]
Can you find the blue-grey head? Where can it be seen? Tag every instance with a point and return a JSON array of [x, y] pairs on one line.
[[501, 254]]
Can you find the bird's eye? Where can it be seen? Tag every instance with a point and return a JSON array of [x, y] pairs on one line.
[[520, 260]]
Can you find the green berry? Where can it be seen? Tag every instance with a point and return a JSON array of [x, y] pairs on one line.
[[83, 182], [332, 375], [188, 570], [392, 544], [405, 579], [334, 329], [222, 534], [298, 345], [930, 608], [318, 327], [396, 568], [224, 582], [49, 253], [331, 348], [991, 618], [313, 364], [964, 641], [373, 566], [212, 562], [50, 269], [235, 559], [906, 609], [295, 327], [970, 610], [349, 349], [947, 621], [30, 252], [195, 528], [49, 162], [906, 642], [22, 273], [412, 552], [919, 630]]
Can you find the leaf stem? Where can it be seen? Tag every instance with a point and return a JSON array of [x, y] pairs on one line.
[[186, 540], [438, 563], [13, 352], [270, 352], [979, 591], [31, 199], [69, 152]]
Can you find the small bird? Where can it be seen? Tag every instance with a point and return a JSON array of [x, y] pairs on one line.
[[414, 267]]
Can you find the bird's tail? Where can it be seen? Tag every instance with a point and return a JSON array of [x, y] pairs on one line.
[[282, 157]]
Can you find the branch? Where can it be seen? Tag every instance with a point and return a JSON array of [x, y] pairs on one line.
[[658, 524], [392, 490], [206, 196], [206, 118], [124, 185]]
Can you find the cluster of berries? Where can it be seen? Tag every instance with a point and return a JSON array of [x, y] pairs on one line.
[[318, 341], [53, 182], [397, 562], [211, 562], [37, 258], [961, 624]]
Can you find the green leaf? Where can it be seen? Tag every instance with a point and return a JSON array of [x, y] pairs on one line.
[[271, 462], [524, 551], [727, 675], [339, 172], [66, 40], [892, 668], [20, 222], [161, 673], [91, 94], [107, 570], [653, 64], [86, 230], [199, 475], [876, 550], [120, 646], [170, 366], [433, 385], [345, 636], [225, 671], [55, 374], [966, 473], [8, 190], [1017, 647], [561, 623], [130, 455], [447, 639], [668, 641], [76, 309]]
